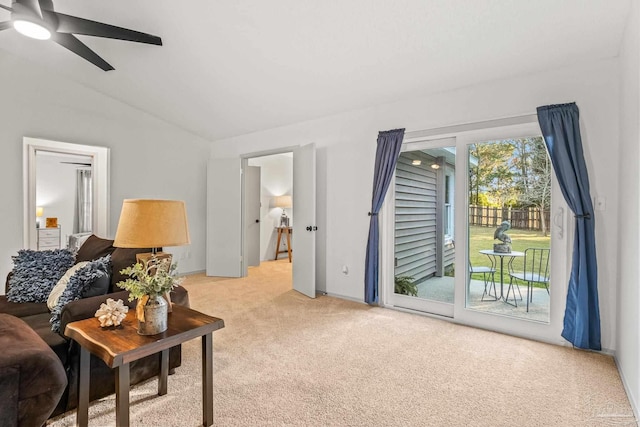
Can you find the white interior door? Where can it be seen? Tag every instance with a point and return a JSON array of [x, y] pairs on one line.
[[252, 215], [224, 218], [304, 226]]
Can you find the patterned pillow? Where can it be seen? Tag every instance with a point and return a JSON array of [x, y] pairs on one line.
[[59, 288], [35, 273], [79, 285]]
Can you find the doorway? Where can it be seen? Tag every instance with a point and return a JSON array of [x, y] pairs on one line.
[[275, 207], [227, 218]]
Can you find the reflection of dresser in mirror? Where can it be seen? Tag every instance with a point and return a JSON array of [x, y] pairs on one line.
[[48, 238]]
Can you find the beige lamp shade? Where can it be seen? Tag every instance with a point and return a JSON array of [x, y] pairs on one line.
[[146, 223], [39, 211], [283, 202]]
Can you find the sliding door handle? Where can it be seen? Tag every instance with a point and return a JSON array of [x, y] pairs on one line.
[[558, 222]]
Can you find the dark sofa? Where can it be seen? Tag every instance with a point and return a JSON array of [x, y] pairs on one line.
[[37, 315]]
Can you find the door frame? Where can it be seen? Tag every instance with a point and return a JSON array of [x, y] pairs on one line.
[[100, 176], [244, 164], [561, 232]]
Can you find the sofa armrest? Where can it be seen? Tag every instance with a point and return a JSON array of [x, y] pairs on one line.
[[86, 308]]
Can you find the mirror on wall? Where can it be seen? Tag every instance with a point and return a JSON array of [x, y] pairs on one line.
[[66, 193]]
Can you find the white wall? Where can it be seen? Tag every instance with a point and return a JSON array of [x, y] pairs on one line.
[[346, 151], [149, 158], [628, 329], [276, 179]]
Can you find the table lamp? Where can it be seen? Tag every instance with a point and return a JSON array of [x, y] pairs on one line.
[[39, 214], [148, 223], [283, 202]]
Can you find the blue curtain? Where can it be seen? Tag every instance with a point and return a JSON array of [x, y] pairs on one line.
[[561, 131], [389, 144]]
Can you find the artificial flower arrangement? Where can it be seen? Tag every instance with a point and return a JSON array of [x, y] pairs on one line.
[[150, 283], [157, 278]]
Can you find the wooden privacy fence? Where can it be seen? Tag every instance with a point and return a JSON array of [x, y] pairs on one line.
[[522, 219]]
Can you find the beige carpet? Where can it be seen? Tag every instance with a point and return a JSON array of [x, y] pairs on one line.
[[286, 360]]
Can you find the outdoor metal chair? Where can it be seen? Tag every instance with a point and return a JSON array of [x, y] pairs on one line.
[[535, 270], [487, 273]]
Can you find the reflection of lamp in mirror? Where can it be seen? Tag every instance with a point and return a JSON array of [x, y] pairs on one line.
[[39, 214], [283, 202]]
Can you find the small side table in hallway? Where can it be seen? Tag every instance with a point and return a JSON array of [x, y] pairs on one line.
[[288, 231]]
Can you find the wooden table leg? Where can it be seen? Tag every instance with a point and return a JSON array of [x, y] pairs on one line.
[[122, 395], [164, 372], [278, 243], [207, 379], [82, 415], [288, 243]]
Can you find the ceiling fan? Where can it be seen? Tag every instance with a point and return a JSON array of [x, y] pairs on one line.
[[38, 20]]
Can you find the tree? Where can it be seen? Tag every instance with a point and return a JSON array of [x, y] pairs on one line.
[[535, 182], [492, 173]]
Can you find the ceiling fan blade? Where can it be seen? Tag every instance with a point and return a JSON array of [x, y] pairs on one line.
[[31, 7], [73, 24], [6, 8], [81, 49], [6, 24], [77, 163]]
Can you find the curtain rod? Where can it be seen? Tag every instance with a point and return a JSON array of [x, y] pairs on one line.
[[465, 127]]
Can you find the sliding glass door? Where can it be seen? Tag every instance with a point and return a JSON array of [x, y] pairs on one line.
[[469, 226], [509, 241], [423, 228]]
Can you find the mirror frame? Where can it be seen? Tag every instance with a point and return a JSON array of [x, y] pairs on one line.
[[100, 176]]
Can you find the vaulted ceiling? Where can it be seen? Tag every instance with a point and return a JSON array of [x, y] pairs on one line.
[[229, 67]]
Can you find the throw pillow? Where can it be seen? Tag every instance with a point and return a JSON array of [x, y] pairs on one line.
[[59, 288], [79, 284], [35, 273], [93, 248]]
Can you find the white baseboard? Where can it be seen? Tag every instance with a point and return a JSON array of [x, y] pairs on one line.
[[630, 396]]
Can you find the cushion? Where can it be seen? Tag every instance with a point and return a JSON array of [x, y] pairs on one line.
[[59, 288], [77, 240], [35, 273], [79, 285], [22, 309], [93, 248], [42, 378]]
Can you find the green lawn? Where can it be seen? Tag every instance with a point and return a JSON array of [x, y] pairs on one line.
[[482, 238]]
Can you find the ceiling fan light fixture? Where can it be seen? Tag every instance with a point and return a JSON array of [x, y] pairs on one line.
[[32, 29]]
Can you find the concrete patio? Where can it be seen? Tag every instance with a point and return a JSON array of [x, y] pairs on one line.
[[442, 289]]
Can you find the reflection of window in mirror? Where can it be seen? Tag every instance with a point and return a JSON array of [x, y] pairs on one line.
[[68, 183]]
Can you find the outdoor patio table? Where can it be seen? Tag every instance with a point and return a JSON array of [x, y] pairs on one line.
[[492, 259]]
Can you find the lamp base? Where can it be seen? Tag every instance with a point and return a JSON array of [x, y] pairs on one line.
[[143, 258]]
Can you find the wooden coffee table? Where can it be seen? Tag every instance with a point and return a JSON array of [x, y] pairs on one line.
[[118, 347]]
